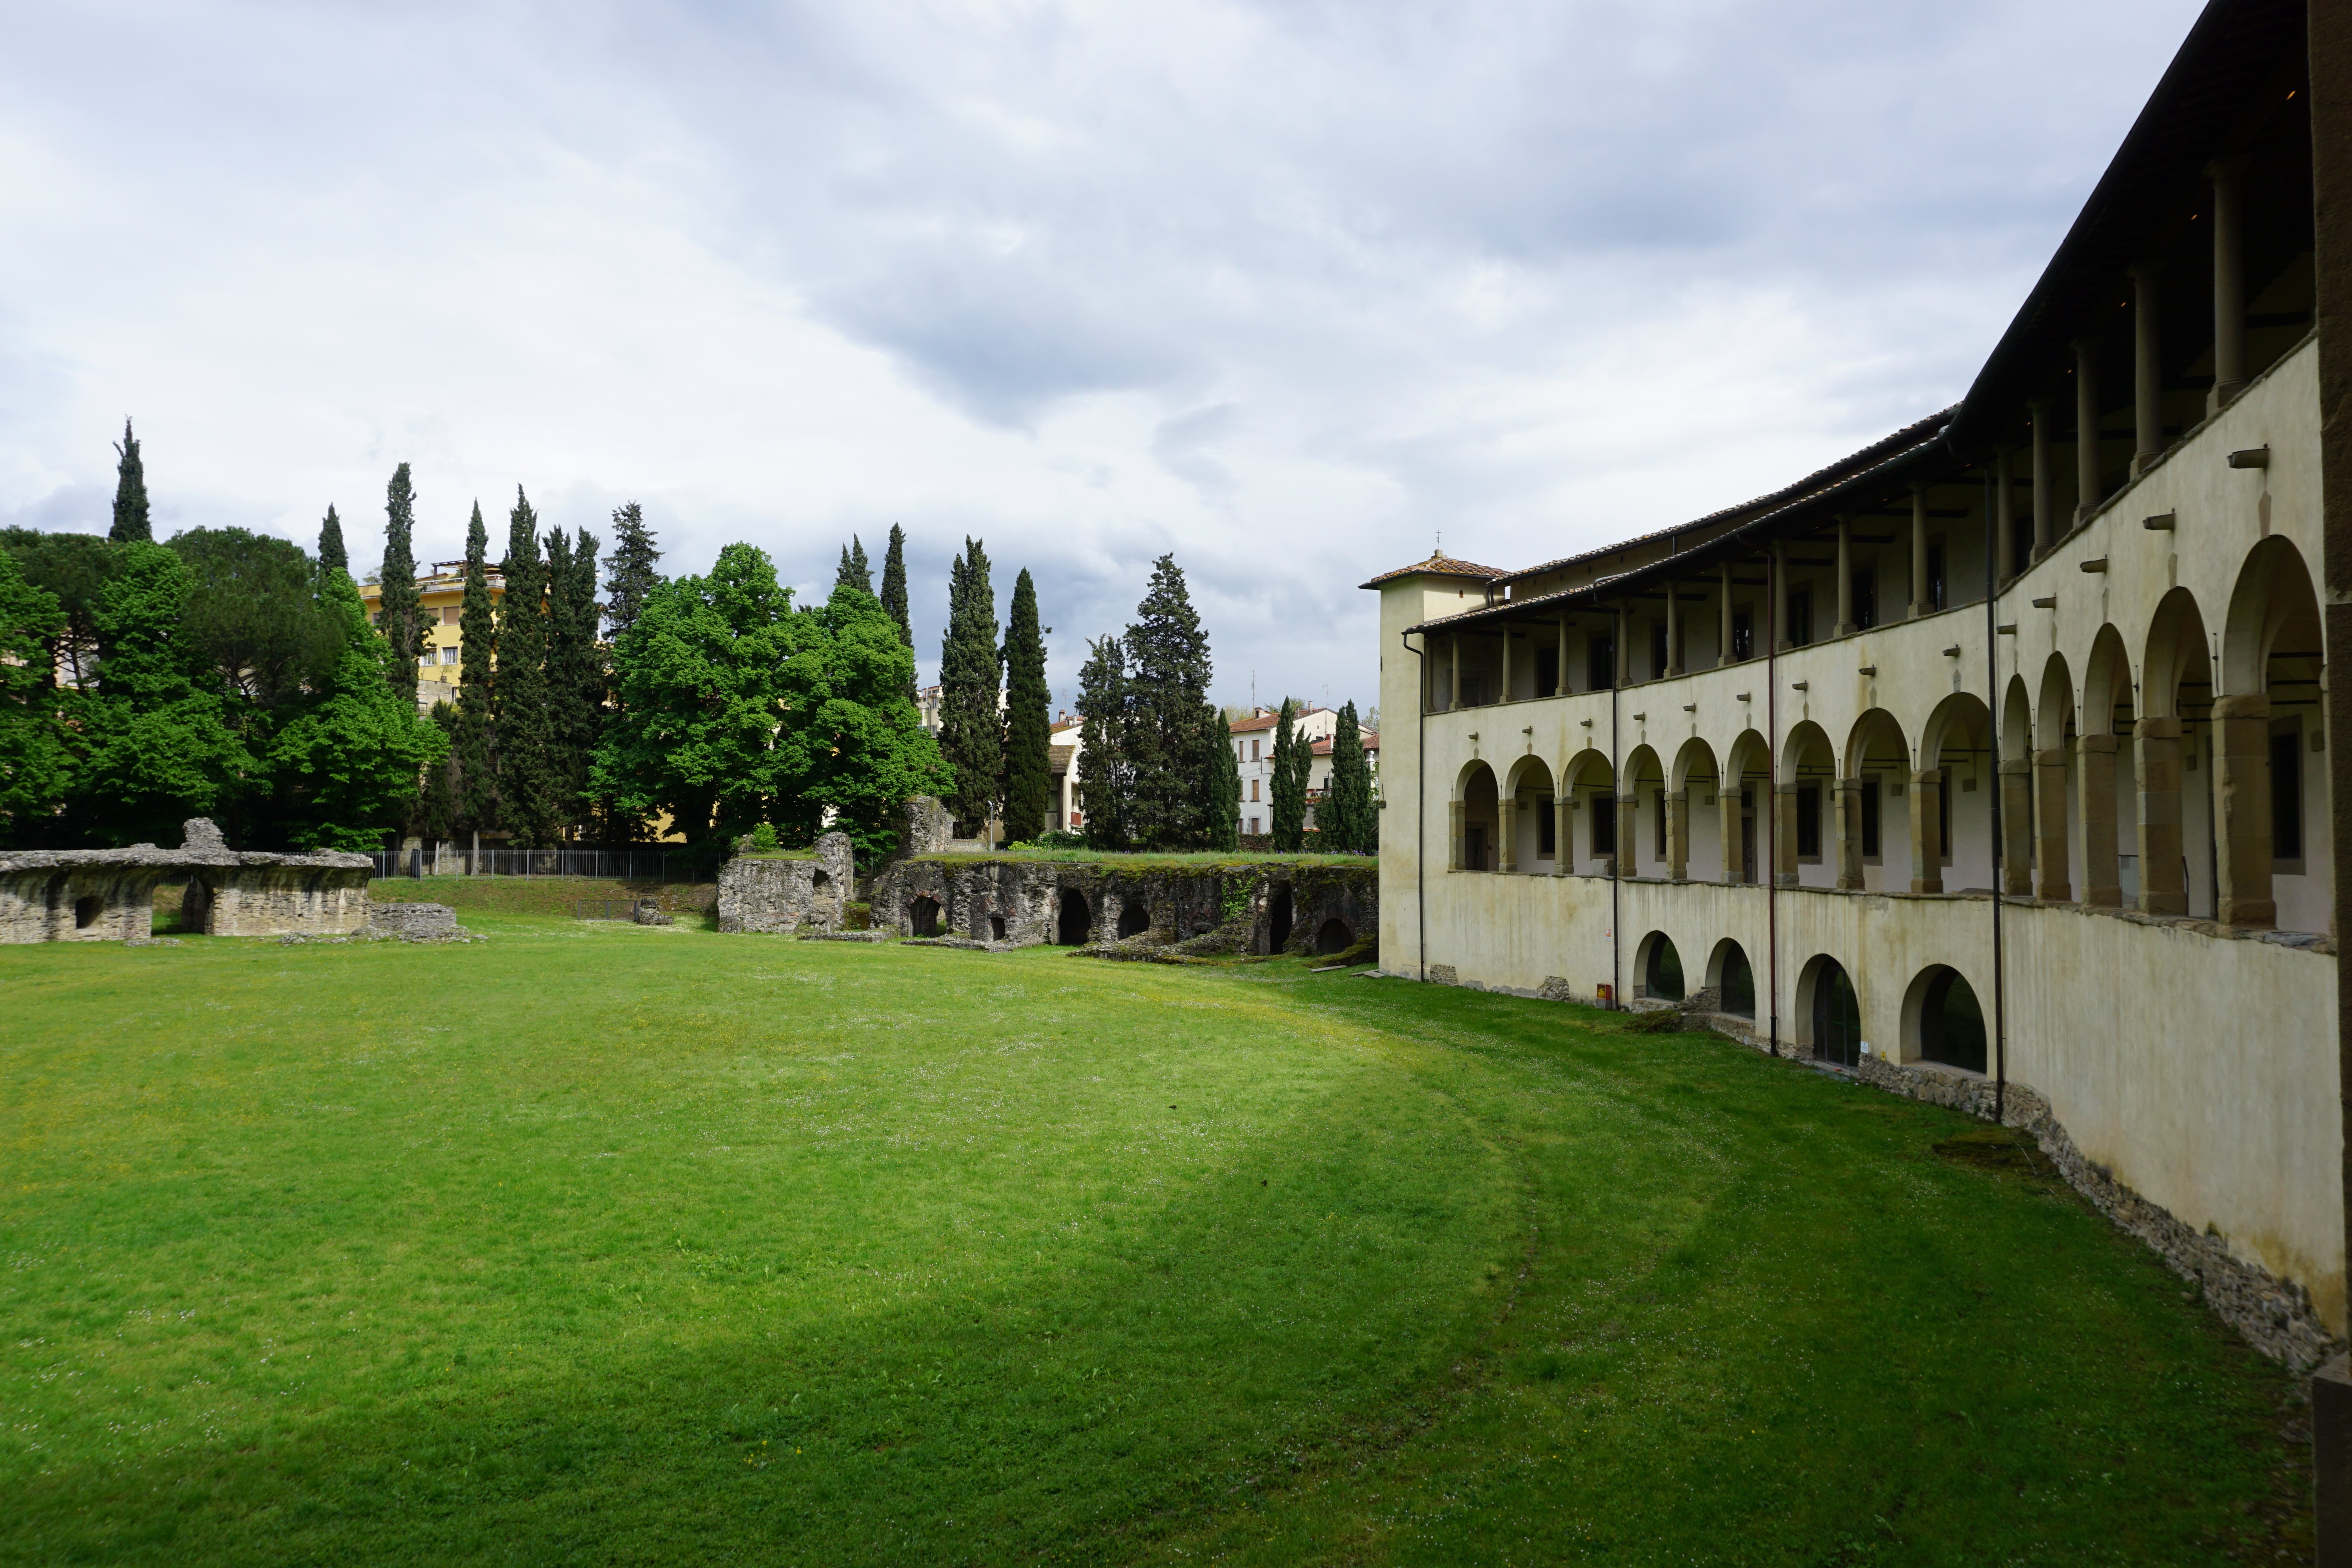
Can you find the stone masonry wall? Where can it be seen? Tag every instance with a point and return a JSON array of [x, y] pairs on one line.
[[786, 895], [107, 895]]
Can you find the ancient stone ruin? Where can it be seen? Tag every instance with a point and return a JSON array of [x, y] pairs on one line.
[[1128, 906], [109, 895], [793, 892]]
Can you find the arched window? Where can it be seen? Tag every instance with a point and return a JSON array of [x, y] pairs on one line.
[[1662, 968], [1947, 1024], [923, 914], [1833, 1013]]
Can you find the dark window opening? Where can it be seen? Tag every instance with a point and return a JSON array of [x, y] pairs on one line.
[[1474, 847], [1075, 919], [1738, 984], [923, 914], [996, 928], [1604, 825], [1134, 919], [1657, 650], [1809, 822], [1743, 633], [2021, 544], [87, 911], [1951, 1025], [1936, 576], [1800, 617], [1600, 661], [1547, 834], [1277, 924], [1865, 598], [1662, 976], [1868, 794], [1473, 690], [1548, 672], [2286, 795], [1658, 827], [1747, 835], [1837, 1018], [1943, 847]]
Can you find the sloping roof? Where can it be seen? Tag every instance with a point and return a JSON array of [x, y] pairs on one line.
[[1057, 758], [1439, 565], [1322, 748]]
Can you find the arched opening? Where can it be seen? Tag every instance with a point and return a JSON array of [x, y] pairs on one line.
[[1874, 828], [2052, 789], [1733, 981], [1530, 824], [1694, 841], [1476, 820], [1805, 853], [2107, 803], [1333, 936], [1952, 807], [87, 911], [2016, 789], [1134, 919], [1074, 919], [996, 928], [1662, 968], [2275, 846], [1642, 835], [1592, 790], [923, 914], [2173, 846], [1277, 919], [1831, 1012], [1947, 1022], [1745, 803]]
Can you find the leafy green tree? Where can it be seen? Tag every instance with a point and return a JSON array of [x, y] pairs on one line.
[[1105, 777], [354, 757], [1288, 815], [332, 557], [855, 573], [256, 616], [701, 676], [130, 492], [971, 676], [1028, 718], [155, 747], [397, 615], [472, 737], [632, 575], [440, 812], [850, 741], [575, 665], [71, 568], [528, 782], [35, 768], [1347, 821], [894, 591], [1172, 725], [1226, 791]]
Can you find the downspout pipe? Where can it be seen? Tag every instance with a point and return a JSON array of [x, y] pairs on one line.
[[1771, 802], [1622, 834], [2000, 844], [1420, 811]]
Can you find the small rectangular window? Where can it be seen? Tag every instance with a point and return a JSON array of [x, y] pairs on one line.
[[1600, 661], [1547, 838], [1800, 617], [1869, 796], [1743, 633], [1253, 789], [450, 614], [1604, 825], [1547, 672], [2286, 795], [1253, 745], [1809, 822]]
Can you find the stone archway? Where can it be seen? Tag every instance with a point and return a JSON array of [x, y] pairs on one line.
[[1278, 915], [1134, 919], [1074, 918], [923, 915], [1333, 936]]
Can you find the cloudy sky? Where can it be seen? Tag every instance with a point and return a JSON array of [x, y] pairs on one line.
[[1286, 289]]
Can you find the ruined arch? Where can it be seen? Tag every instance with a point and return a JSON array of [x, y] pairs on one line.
[[1073, 919], [1134, 917]]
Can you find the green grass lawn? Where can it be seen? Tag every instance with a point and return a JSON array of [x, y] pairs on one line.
[[619, 1244]]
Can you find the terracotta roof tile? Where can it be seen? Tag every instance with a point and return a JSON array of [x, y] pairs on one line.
[[1439, 565]]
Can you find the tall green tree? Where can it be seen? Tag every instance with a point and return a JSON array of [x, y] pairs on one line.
[[354, 757], [472, 736], [397, 615], [1224, 784], [1106, 779], [154, 745], [893, 590], [575, 665], [1347, 823], [527, 782], [971, 678], [855, 573], [71, 568], [702, 677], [130, 492], [1173, 731], [1288, 815], [36, 767], [632, 574], [332, 557], [440, 813], [1028, 718], [850, 742]]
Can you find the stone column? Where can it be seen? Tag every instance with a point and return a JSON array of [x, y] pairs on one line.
[[1629, 827], [2242, 800], [2050, 853], [2156, 748], [1563, 840], [1458, 815], [1678, 834], [2094, 779], [2147, 369], [1845, 578], [1723, 621], [2017, 826], [1726, 800], [1507, 833], [2229, 284], [2045, 501], [1673, 631], [1454, 671], [2004, 513], [1927, 835], [2086, 427], [1920, 603], [1780, 597], [1849, 832], [1784, 859]]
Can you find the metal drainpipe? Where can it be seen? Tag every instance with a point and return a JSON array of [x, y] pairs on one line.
[[1772, 788], [1419, 814], [1618, 841], [1999, 869]]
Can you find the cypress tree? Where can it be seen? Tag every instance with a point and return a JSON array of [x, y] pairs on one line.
[[1289, 812], [855, 573], [331, 555], [1171, 726], [527, 784], [130, 492], [972, 675], [894, 584], [1028, 721], [632, 577], [1225, 792], [1105, 778], [575, 667], [1347, 822], [397, 615], [471, 739]]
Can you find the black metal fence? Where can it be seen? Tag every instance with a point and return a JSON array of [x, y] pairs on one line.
[[611, 864]]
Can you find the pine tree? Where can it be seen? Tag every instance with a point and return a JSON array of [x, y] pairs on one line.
[[331, 555], [894, 584], [1105, 777], [1028, 718], [632, 575], [527, 782], [1347, 821], [472, 739], [130, 492], [397, 615], [855, 573], [1172, 725], [972, 675], [1225, 792], [575, 667], [1289, 812]]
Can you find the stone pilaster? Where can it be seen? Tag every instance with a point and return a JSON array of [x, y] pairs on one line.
[[2017, 826], [2242, 799], [1926, 835], [2094, 779], [2155, 747], [2050, 852]]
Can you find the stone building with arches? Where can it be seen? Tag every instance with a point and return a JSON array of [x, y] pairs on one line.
[[1994, 756]]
